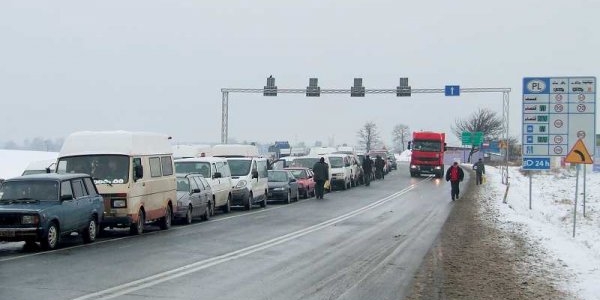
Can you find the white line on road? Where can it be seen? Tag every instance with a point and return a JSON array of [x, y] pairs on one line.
[[149, 281]]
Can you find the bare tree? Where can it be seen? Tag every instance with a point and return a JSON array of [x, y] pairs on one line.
[[368, 137], [400, 135], [483, 120]]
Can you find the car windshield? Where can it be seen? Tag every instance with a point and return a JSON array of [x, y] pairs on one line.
[[299, 174], [239, 167], [29, 190], [278, 176], [336, 162], [427, 146], [306, 162], [188, 167], [103, 168], [183, 184]]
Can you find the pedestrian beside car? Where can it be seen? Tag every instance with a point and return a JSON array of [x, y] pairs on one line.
[[379, 165], [320, 175], [455, 175], [479, 168], [368, 170]]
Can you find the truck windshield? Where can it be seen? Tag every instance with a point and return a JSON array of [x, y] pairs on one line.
[[29, 190], [427, 146], [105, 169], [239, 167]]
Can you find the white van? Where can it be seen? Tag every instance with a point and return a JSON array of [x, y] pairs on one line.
[[217, 173], [189, 151], [249, 175], [133, 171], [340, 168], [40, 166]]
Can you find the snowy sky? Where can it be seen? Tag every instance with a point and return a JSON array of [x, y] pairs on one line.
[[159, 65]]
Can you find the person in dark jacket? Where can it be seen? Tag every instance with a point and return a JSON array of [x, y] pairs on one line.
[[455, 175], [479, 168], [320, 175], [368, 170], [379, 165]]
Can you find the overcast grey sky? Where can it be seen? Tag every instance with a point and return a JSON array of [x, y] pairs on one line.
[[159, 65]]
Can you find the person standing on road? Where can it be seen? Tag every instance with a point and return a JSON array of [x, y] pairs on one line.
[[321, 174], [368, 170], [455, 175], [479, 171], [379, 165]]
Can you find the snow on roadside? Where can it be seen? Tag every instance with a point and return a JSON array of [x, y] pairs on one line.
[[14, 162], [550, 221]]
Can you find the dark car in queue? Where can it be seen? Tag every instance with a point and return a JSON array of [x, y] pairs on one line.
[[304, 177], [282, 186], [44, 207], [194, 198]]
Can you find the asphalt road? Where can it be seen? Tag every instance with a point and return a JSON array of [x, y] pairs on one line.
[[364, 243]]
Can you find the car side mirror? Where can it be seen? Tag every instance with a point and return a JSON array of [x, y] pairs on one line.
[[409, 145], [254, 174], [195, 191], [138, 172], [292, 180], [445, 148], [217, 175], [66, 197]]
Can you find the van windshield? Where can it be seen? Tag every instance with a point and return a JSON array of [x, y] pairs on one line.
[[336, 162], [105, 169], [239, 167], [193, 167]]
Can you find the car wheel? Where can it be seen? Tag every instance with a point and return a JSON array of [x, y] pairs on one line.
[[206, 215], [165, 222], [52, 237], [289, 197], [227, 207], [138, 227], [90, 233], [306, 194], [212, 207], [248, 205], [263, 204], [188, 215], [297, 195]]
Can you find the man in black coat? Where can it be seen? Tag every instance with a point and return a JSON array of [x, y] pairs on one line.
[[320, 175], [367, 166], [455, 175], [379, 165]]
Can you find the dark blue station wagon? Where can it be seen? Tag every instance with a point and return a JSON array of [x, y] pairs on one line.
[[43, 207]]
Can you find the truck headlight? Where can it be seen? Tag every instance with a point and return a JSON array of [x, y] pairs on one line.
[[119, 203], [438, 167], [29, 220], [413, 166], [241, 184]]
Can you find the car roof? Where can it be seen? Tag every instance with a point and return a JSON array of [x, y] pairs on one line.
[[49, 176], [209, 159]]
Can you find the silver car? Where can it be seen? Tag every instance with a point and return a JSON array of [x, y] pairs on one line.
[[194, 198]]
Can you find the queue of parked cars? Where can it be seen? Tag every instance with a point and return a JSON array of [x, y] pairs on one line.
[[118, 179]]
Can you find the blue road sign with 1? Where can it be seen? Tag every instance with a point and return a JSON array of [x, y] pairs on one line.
[[536, 163], [452, 90]]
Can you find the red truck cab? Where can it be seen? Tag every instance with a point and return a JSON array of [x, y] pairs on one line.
[[427, 155]]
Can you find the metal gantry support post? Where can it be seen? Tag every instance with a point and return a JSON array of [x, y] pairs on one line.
[[224, 117], [505, 119]]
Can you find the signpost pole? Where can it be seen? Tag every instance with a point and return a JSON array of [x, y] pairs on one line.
[[584, 181], [576, 191], [530, 189]]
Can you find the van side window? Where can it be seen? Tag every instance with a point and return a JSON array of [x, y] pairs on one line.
[[78, 189], [155, 167], [91, 188], [262, 169], [219, 166], [167, 165], [213, 169]]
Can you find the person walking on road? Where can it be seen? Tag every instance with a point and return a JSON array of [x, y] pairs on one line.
[[479, 172], [321, 174], [368, 170], [455, 175]]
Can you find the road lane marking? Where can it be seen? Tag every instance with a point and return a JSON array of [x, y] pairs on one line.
[[158, 278]]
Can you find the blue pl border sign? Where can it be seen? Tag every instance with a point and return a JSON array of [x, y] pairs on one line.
[[536, 163]]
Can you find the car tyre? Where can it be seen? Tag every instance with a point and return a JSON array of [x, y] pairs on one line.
[[165, 222], [188, 215], [138, 227], [297, 196], [263, 204], [51, 239], [288, 199], [227, 207], [91, 231], [248, 205], [207, 212]]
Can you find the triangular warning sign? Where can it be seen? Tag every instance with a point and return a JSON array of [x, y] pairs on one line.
[[579, 154]]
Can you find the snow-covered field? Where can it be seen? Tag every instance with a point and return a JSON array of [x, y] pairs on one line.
[[550, 221], [13, 162]]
